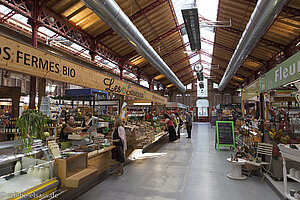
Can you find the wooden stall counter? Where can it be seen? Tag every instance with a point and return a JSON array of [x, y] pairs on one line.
[[83, 167], [100, 159]]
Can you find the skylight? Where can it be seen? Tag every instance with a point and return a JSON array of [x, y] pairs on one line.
[[208, 11]]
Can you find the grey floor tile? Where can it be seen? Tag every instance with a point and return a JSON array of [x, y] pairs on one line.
[[191, 170]]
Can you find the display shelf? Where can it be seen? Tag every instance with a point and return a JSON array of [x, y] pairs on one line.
[[8, 144], [291, 177], [293, 154]]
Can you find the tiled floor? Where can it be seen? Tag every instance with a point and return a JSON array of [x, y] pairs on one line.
[[189, 169]]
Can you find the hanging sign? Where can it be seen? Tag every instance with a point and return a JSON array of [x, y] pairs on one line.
[[286, 72], [23, 58], [251, 90], [202, 92]]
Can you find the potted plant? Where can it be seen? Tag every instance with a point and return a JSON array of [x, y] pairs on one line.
[[30, 125]]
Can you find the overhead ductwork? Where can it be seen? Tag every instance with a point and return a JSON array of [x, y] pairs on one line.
[[261, 18], [110, 12]]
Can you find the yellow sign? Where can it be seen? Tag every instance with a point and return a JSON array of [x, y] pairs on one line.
[[19, 57]]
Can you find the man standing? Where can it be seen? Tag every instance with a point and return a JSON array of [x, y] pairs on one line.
[[189, 124]]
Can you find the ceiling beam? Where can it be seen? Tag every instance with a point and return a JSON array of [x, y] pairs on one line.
[[224, 60], [262, 40], [230, 29], [231, 50], [286, 9], [133, 17], [181, 47]]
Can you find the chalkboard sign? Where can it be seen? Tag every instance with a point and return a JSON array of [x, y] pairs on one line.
[[45, 105], [224, 134]]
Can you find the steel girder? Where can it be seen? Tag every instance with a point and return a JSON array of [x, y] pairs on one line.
[[61, 26], [223, 60], [7, 16], [170, 53], [262, 40], [285, 9], [221, 46], [176, 29], [182, 60], [161, 37], [239, 32], [255, 59]]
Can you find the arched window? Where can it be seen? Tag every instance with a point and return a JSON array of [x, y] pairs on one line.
[[202, 105]]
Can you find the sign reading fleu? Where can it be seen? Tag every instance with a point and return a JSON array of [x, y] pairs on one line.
[[19, 57], [284, 73]]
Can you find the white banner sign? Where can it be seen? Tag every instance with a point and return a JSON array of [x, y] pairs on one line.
[[202, 92]]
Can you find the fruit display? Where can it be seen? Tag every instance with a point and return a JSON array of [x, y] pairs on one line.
[[142, 133], [285, 139], [275, 134]]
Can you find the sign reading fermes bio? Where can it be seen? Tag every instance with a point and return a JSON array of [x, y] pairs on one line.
[[224, 134], [19, 57], [286, 72]]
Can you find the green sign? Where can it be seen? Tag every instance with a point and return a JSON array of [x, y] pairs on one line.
[[284, 73], [224, 134], [251, 90]]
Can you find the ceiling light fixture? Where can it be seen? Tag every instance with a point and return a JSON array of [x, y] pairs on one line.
[[191, 22]]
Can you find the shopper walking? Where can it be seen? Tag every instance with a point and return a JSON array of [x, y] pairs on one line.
[[180, 123], [171, 128], [119, 140], [189, 124]]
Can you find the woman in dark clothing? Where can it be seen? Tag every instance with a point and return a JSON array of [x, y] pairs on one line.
[[119, 140], [87, 122], [68, 128], [171, 128]]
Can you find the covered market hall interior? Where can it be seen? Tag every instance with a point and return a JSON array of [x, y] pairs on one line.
[[150, 99]]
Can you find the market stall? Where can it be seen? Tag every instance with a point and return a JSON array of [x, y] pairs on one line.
[[143, 127], [273, 119], [83, 157]]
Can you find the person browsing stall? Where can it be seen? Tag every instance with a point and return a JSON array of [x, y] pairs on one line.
[[171, 128], [119, 140]]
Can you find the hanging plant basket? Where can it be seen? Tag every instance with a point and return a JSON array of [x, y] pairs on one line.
[[30, 125]]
